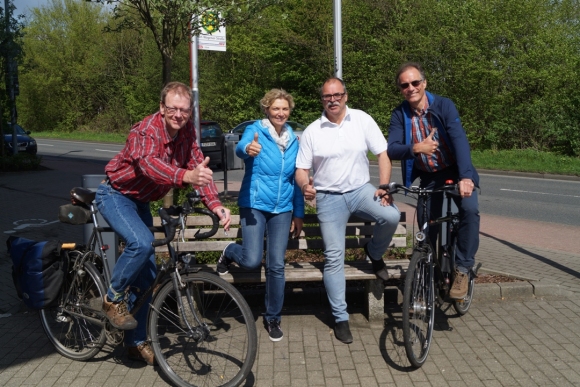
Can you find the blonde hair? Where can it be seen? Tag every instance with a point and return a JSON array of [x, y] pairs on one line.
[[273, 95], [178, 88]]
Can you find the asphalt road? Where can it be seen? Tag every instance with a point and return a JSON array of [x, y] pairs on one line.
[[539, 199]]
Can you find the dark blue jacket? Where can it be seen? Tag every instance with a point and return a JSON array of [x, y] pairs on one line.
[[446, 119]]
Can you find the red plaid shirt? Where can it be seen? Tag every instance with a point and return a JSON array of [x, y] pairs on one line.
[[151, 163]]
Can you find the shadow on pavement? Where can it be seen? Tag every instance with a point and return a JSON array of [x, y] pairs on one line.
[[534, 255]]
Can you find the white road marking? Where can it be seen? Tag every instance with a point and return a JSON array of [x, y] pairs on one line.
[[107, 150], [26, 223], [539, 193]]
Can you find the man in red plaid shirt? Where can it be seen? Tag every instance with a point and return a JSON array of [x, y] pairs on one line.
[[161, 153]]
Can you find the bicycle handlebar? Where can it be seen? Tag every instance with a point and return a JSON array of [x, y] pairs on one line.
[[451, 188], [187, 208]]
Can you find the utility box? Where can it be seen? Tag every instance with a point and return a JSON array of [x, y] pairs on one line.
[[111, 239], [232, 161]]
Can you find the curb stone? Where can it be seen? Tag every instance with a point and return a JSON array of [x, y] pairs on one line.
[[516, 290], [543, 289]]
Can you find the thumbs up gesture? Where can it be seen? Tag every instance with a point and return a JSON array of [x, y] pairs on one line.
[[429, 145], [200, 176], [253, 149], [308, 189]]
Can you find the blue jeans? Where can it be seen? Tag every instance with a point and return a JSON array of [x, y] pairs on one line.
[[276, 228], [468, 230], [136, 268], [333, 211]]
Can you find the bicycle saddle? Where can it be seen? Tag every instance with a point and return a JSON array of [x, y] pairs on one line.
[[80, 195]]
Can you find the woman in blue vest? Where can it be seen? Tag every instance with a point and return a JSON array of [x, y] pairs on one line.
[[270, 203]]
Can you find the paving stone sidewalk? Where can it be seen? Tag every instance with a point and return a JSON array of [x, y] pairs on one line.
[[520, 340]]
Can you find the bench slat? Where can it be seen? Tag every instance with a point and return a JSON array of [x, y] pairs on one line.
[[311, 271], [308, 219], [293, 244], [307, 232]]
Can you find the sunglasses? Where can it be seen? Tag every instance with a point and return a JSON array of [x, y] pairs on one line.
[[405, 85]]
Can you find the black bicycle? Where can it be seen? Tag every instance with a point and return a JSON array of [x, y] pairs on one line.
[[431, 273], [202, 330]]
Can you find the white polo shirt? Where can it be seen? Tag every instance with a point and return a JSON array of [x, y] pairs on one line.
[[338, 153]]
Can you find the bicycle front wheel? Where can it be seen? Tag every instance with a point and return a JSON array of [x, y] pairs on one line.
[[75, 324], [418, 308], [213, 342]]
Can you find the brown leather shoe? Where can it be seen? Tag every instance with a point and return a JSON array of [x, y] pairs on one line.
[[142, 352], [460, 286], [119, 315]]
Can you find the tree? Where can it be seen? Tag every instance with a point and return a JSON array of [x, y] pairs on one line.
[[173, 22], [75, 75], [10, 48]]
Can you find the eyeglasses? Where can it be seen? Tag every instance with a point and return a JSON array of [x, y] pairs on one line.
[[336, 96], [405, 85], [170, 110]]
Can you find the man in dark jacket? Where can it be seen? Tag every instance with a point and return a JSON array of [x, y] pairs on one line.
[[426, 134]]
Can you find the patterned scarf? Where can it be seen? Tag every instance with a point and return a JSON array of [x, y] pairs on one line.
[[282, 139]]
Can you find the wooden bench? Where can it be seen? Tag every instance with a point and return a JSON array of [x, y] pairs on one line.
[[358, 233]]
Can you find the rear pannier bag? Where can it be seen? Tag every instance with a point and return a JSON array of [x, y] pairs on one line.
[[37, 270]]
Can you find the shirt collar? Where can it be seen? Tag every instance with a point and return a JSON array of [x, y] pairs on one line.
[[324, 120]]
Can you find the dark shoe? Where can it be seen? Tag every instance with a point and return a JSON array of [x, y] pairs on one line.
[[223, 264], [142, 352], [119, 315], [342, 332], [379, 267], [274, 330], [460, 285]]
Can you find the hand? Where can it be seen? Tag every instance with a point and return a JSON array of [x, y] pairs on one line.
[[296, 227], [308, 189], [225, 216], [254, 148], [386, 198], [428, 146], [200, 176], [466, 187]]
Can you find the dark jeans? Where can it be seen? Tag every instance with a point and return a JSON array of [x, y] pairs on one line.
[[468, 231]]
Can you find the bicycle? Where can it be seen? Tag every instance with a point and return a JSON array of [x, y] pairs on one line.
[[430, 273], [202, 330]]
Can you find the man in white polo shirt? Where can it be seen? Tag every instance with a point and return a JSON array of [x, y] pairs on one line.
[[335, 146]]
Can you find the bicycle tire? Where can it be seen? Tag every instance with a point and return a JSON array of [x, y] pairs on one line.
[[76, 325], [224, 351], [418, 308]]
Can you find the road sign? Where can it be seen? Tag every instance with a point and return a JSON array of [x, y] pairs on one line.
[[212, 36]]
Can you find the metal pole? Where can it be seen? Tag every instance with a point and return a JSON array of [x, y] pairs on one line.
[[337, 23], [194, 84], [225, 167]]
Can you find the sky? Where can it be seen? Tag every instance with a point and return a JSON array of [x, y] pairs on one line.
[[22, 6]]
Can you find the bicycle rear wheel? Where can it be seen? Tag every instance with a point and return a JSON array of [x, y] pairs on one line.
[[418, 308], [220, 349], [75, 325]]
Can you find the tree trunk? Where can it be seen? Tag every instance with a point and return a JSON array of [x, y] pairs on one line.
[[167, 66]]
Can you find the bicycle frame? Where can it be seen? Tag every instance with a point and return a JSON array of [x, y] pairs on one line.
[[96, 245], [441, 254]]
